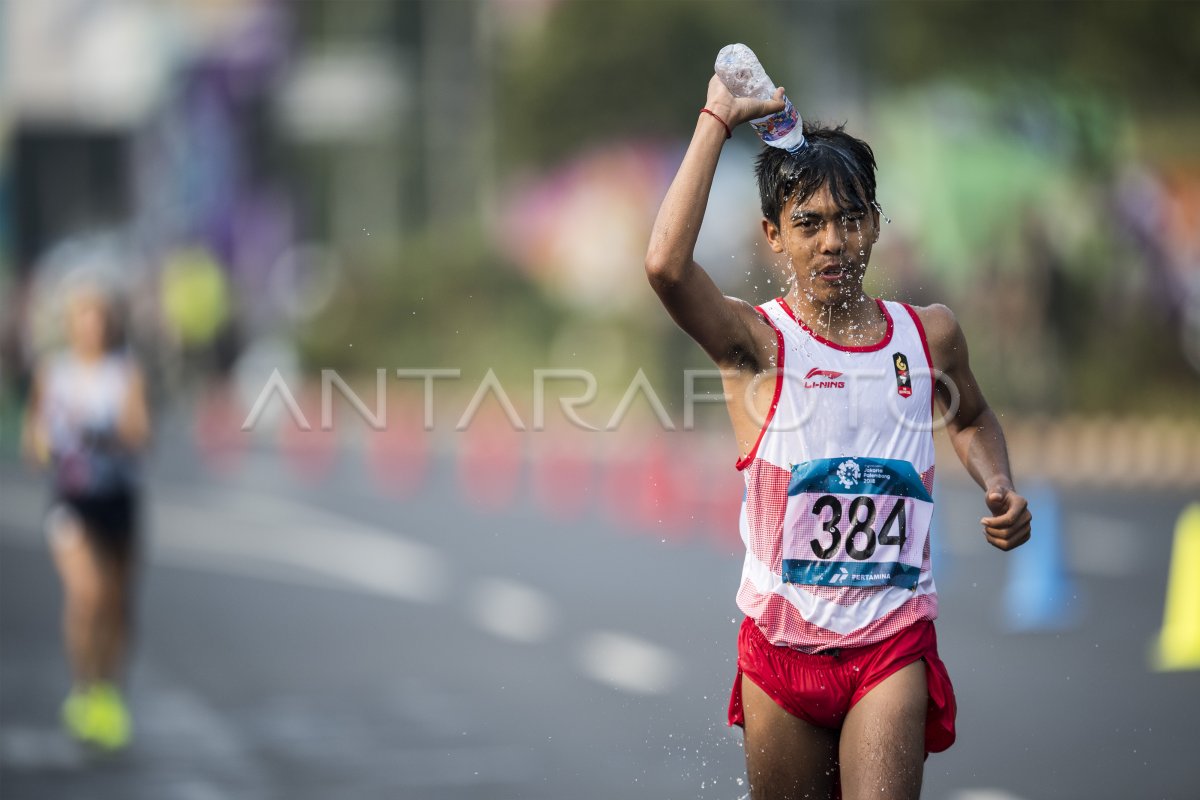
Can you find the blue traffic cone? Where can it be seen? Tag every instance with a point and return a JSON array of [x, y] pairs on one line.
[[1040, 594]]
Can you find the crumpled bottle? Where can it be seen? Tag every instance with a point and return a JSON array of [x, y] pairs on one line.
[[741, 72]]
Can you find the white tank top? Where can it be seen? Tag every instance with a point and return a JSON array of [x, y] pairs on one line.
[[82, 406], [839, 486]]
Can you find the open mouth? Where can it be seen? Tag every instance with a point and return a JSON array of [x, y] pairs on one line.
[[832, 274]]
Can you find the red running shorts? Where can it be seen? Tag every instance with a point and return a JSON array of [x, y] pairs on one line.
[[821, 688]]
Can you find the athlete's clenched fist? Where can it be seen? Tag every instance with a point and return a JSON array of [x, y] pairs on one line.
[[1011, 523]]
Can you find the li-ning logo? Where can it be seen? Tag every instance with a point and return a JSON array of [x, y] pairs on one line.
[[847, 473], [817, 372]]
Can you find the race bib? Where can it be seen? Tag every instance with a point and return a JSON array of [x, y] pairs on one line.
[[855, 522]]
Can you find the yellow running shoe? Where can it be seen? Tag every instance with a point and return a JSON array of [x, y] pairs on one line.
[[75, 712], [108, 725]]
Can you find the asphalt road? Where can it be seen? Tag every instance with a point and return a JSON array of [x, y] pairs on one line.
[[315, 639]]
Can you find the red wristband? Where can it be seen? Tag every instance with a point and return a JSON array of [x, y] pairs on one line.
[[714, 115]]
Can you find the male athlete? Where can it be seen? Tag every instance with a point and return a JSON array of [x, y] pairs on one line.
[[831, 394]]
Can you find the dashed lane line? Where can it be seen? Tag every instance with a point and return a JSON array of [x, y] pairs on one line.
[[627, 662], [267, 537], [512, 610], [265, 532]]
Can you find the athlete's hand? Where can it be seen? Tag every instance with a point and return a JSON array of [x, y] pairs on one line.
[[736, 110], [35, 445], [1011, 523]]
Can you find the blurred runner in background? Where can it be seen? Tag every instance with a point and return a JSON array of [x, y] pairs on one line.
[[88, 421]]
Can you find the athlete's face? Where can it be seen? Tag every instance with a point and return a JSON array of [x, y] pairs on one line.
[[87, 315], [827, 246]]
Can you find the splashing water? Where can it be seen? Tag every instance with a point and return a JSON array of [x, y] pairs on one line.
[[879, 208]]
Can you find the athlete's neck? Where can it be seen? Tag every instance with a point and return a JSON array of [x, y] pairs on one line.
[[847, 322], [88, 355]]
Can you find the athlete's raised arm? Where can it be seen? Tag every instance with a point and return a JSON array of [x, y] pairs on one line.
[[975, 430], [728, 329]]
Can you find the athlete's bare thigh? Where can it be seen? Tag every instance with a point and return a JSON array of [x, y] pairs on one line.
[[786, 757], [883, 738]]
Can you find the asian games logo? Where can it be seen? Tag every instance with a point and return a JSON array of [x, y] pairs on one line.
[[848, 473]]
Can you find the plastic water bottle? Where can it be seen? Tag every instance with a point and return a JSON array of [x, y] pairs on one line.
[[741, 72]]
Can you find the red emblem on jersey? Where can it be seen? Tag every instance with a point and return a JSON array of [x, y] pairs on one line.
[[903, 381]]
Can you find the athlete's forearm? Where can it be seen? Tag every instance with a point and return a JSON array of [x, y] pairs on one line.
[[133, 428], [673, 239], [982, 449]]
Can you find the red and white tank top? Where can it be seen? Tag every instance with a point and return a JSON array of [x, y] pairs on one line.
[[839, 487]]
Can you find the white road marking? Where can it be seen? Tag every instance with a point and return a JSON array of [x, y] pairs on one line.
[[264, 536], [512, 610], [29, 749], [983, 794], [260, 532], [187, 746], [626, 662], [181, 744]]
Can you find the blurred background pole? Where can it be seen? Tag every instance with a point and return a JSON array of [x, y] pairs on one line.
[[456, 114]]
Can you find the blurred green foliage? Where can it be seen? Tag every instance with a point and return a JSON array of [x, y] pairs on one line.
[[1143, 51], [439, 302], [604, 71], [1002, 129]]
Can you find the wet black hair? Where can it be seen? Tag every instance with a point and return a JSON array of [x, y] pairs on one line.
[[829, 156]]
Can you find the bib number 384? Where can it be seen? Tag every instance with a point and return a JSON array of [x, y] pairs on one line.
[[856, 526], [856, 521], [854, 540]]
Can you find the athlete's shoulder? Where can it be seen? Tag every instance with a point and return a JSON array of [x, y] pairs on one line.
[[942, 332], [937, 318]]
